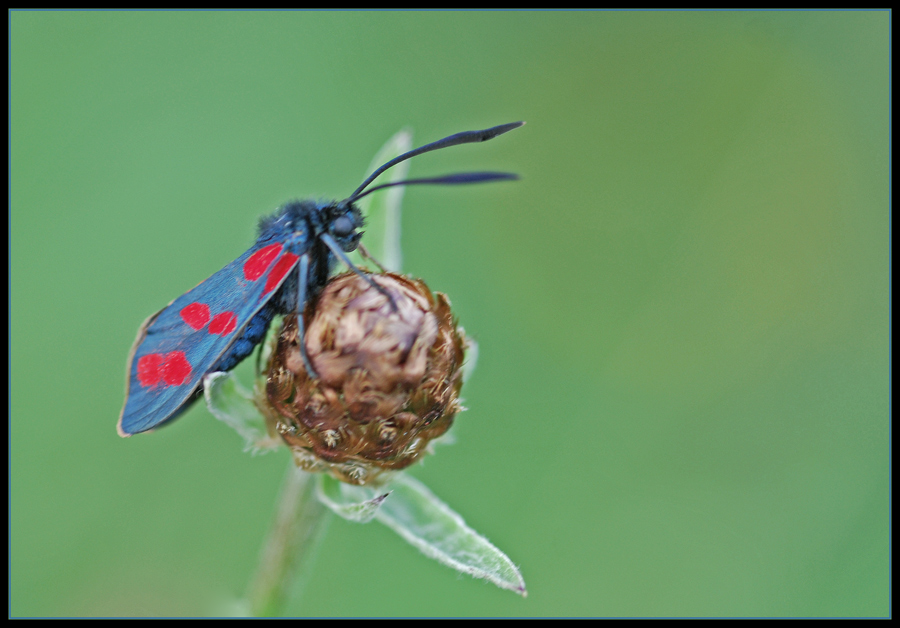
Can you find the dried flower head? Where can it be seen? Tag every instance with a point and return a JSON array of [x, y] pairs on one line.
[[388, 380]]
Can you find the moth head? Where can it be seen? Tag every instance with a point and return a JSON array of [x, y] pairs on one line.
[[344, 225]]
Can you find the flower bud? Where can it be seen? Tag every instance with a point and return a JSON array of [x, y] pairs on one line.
[[388, 379]]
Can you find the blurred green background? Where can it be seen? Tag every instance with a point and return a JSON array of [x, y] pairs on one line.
[[682, 401]]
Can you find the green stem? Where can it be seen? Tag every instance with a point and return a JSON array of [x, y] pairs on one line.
[[287, 558]]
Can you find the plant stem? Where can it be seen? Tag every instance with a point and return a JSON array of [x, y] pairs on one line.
[[288, 555]]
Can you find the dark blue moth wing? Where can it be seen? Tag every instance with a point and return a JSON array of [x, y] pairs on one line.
[[176, 347]]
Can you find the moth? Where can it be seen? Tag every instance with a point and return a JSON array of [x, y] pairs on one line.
[[217, 324]]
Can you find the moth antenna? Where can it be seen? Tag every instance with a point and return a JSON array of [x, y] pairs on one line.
[[465, 137], [450, 179]]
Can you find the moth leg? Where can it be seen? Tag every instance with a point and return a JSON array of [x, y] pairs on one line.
[[303, 273], [364, 252], [259, 352], [339, 253]]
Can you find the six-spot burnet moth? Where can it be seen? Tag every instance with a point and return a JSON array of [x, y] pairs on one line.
[[218, 323]]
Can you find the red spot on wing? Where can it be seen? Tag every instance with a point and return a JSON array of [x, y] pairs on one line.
[[171, 368], [176, 369], [196, 315], [148, 369], [281, 268], [223, 324], [257, 263]]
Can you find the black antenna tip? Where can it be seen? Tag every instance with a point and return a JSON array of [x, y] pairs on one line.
[[493, 132]]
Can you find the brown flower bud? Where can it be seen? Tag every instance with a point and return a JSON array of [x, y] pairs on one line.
[[388, 380]]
